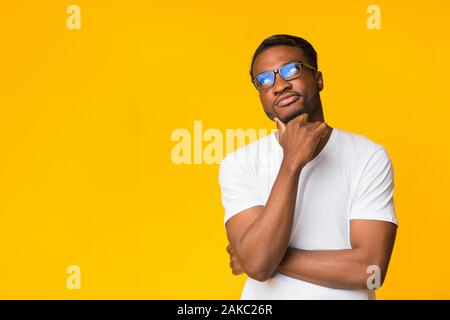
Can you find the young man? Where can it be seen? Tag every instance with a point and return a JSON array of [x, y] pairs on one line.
[[309, 210]]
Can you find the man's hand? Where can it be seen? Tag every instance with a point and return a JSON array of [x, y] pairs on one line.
[[299, 139], [235, 264]]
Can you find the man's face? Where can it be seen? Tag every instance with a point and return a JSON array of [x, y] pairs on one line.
[[306, 87]]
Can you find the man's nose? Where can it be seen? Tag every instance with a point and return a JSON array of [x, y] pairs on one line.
[[280, 85]]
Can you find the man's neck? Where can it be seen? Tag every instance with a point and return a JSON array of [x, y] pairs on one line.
[[323, 141]]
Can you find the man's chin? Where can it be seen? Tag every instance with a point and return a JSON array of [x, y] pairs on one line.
[[292, 115]]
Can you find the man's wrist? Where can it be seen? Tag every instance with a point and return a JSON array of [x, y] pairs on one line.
[[291, 167]]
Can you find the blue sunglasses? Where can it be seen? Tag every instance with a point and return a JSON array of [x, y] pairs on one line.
[[288, 71]]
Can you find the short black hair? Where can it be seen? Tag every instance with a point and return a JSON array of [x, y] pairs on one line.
[[286, 40]]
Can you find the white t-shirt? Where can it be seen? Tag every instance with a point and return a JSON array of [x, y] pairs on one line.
[[351, 178]]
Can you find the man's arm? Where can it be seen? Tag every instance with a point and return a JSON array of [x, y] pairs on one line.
[[260, 235], [372, 243]]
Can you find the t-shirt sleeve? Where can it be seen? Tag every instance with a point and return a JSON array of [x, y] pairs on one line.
[[237, 192], [374, 196]]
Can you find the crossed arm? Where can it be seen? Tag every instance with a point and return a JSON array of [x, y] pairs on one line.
[[371, 245], [259, 236]]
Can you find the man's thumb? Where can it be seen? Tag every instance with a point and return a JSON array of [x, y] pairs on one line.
[[280, 125]]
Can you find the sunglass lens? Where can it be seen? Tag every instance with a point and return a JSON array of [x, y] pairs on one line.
[[264, 80], [290, 70]]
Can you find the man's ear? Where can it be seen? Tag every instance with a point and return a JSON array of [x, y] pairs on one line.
[[319, 80]]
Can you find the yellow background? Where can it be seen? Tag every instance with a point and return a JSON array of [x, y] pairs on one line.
[[87, 115]]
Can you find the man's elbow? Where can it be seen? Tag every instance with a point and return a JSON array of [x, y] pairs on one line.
[[259, 276], [375, 276], [260, 272]]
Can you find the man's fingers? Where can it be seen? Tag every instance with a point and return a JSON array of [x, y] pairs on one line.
[[236, 270], [298, 120], [321, 129], [229, 249], [235, 266], [325, 131], [280, 125], [316, 124]]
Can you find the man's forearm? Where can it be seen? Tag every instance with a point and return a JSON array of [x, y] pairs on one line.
[[265, 242], [344, 269]]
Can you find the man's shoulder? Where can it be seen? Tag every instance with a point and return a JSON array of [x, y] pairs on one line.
[[356, 144]]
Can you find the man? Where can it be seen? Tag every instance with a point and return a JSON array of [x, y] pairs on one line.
[[309, 209]]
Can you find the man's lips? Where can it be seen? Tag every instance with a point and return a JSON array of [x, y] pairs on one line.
[[288, 99]]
